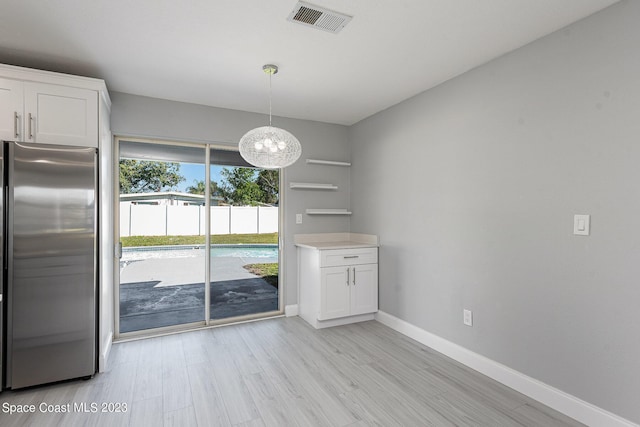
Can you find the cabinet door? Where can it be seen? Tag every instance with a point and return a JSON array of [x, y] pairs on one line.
[[364, 289], [334, 292], [11, 107], [60, 115]]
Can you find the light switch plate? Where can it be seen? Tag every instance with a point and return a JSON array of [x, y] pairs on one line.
[[581, 225], [298, 218], [467, 317]]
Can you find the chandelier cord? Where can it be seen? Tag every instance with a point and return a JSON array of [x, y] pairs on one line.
[[270, 74]]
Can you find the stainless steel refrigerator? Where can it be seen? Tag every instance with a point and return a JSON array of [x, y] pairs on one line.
[[49, 250]]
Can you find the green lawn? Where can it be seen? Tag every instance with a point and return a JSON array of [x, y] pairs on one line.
[[269, 272], [216, 239]]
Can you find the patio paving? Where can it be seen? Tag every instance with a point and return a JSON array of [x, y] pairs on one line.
[[164, 292]]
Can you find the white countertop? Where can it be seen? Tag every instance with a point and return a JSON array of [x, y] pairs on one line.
[[336, 245], [336, 241]]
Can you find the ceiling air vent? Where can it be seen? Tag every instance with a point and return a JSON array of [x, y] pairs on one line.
[[318, 17]]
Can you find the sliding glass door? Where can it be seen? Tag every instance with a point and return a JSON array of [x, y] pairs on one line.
[[178, 233], [244, 241]]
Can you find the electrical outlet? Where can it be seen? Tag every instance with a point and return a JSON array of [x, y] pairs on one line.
[[298, 218], [467, 317]]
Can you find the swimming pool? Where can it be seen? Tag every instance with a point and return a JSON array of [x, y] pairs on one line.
[[192, 251]]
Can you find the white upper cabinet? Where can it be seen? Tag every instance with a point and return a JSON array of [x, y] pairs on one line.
[[50, 108], [60, 115], [11, 108]]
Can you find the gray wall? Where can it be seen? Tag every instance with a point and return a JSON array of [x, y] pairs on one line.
[[472, 187], [133, 115]]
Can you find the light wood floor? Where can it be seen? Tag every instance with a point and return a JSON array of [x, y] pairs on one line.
[[282, 372]]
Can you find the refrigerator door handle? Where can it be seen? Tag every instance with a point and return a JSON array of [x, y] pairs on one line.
[[5, 243]]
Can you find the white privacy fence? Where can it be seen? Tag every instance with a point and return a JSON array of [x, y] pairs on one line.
[[166, 220]]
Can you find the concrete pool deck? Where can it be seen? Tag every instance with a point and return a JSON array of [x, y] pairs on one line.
[[170, 291]]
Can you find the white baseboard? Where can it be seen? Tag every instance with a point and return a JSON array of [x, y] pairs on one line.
[[104, 354], [557, 399], [291, 310], [321, 324]]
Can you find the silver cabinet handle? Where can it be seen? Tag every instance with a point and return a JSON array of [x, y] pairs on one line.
[[30, 130], [354, 276], [15, 124], [352, 256], [348, 272]]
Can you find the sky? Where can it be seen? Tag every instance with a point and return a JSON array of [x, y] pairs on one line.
[[195, 172]]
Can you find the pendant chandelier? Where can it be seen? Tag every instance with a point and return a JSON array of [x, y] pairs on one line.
[[270, 147]]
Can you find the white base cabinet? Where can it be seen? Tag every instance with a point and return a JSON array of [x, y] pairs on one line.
[[348, 291], [337, 286], [364, 290]]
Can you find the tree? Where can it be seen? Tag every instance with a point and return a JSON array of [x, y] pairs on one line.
[[269, 183], [143, 176], [239, 187], [198, 188]]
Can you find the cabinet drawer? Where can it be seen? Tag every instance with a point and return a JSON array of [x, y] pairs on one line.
[[336, 257]]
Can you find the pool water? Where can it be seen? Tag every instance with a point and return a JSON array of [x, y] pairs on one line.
[[255, 252], [166, 252]]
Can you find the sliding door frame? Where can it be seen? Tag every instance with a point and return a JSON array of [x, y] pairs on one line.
[[206, 146]]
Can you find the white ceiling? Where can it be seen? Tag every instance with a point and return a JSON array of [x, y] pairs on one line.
[[211, 52]]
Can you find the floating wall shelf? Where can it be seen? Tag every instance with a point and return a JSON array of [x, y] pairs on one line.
[[328, 212], [312, 186], [327, 162]]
